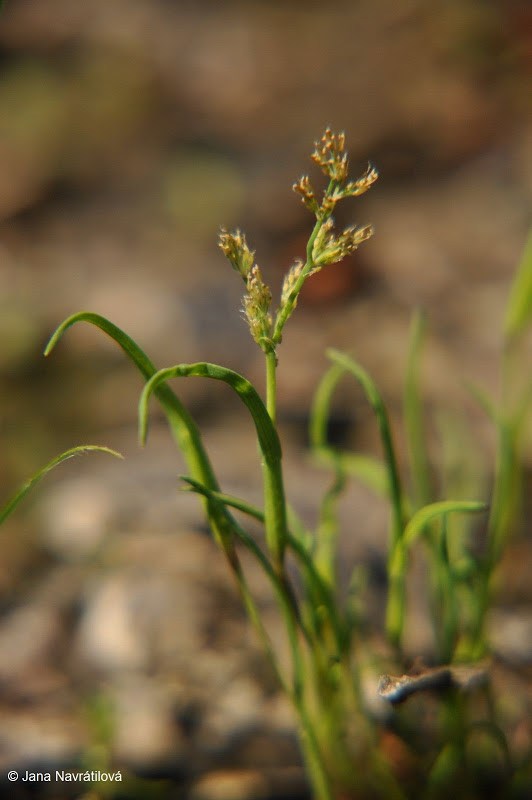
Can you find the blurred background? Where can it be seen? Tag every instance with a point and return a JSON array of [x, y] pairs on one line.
[[129, 133]]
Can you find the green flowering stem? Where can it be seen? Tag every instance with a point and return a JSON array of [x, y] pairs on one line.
[[288, 307]]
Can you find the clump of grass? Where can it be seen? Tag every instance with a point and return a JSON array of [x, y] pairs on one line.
[[343, 739]]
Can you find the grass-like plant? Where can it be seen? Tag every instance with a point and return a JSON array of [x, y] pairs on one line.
[[343, 738]]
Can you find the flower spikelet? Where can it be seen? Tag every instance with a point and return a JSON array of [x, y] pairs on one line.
[[256, 306], [290, 280], [303, 187], [329, 248], [236, 250], [362, 184]]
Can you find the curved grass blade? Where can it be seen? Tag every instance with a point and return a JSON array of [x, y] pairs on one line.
[[328, 527], [183, 427], [321, 405], [11, 504], [275, 506], [374, 398], [419, 522], [398, 559], [370, 471], [266, 433]]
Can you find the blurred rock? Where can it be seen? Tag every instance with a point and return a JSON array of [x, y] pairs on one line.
[[146, 736], [28, 636], [39, 739], [510, 635], [108, 638], [76, 515]]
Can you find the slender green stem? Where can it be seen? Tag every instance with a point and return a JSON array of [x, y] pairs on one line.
[[274, 497], [275, 515]]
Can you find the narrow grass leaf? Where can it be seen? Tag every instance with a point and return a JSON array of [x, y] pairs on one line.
[[11, 504], [183, 427]]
